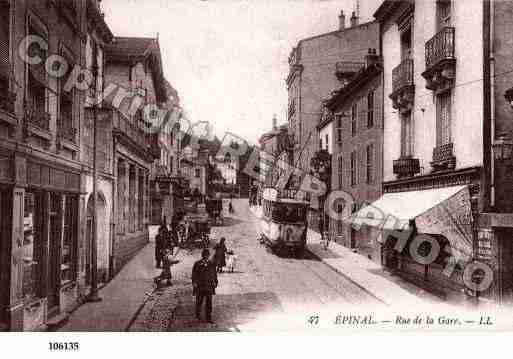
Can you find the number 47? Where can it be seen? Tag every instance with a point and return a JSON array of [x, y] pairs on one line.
[[313, 320]]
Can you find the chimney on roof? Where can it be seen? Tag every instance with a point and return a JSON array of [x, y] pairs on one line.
[[371, 58], [275, 123], [354, 19], [341, 20]]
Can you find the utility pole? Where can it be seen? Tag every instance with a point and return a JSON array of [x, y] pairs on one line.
[[93, 294]]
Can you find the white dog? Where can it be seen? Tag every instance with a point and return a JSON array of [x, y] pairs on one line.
[[231, 262]]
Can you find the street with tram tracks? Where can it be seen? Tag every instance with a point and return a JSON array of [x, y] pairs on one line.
[[262, 289]]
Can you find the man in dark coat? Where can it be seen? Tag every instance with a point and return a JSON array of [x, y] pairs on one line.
[[160, 245], [204, 282]]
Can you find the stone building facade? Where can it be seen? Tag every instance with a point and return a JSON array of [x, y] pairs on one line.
[[133, 65], [312, 65], [41, 174], [357, 150], [444, 110]]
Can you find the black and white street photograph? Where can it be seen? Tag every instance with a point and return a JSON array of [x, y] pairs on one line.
[[254, 166]]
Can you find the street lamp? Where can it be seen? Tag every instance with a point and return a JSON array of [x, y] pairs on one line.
[[93, 294]]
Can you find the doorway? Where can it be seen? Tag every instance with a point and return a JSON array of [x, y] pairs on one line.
[[101, 233]]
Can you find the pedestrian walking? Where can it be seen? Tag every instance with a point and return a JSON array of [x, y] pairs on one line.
[[220, 254], [160, 245], [204, 282]]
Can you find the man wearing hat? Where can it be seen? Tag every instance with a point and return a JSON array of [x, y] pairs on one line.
[[204, 282]]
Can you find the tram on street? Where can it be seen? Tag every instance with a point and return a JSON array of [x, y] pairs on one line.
[[284, 220]]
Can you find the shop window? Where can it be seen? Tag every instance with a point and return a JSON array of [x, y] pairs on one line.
[[68, 268], [140, 203], [32, 246]]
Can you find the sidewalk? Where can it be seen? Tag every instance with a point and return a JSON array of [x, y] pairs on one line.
[[365, 273], [122, 297]]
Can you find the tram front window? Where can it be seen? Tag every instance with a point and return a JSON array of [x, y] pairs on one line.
[[287, 212]]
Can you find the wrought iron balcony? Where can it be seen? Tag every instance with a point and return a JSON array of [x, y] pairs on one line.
[[440, 60], [344, 70], [443, 157], [40, 120], [406, 167], [132, 131], [402, 75], [403, 88], [440, 47]]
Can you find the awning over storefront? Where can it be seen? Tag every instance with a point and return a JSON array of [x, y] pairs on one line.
[[444, 211]]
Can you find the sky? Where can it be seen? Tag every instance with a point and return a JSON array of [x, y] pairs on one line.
[[228, 59]]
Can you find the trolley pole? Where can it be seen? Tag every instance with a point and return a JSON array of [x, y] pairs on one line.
[[93, 294]]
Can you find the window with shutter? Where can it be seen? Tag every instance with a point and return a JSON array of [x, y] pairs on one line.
[[370, 163], [354, 118], [443, 13], [370, 109], [339, 128], [340, 171], [354, 170], [443, 119], [66, 122], [406, 135]]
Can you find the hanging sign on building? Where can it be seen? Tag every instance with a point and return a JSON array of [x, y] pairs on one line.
[[484, 245]]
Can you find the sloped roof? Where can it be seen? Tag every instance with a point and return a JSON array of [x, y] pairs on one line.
[[130, 46]]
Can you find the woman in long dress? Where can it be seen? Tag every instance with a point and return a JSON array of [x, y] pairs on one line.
[[220, 254]]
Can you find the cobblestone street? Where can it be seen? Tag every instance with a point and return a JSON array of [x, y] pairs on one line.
[[261, 291]]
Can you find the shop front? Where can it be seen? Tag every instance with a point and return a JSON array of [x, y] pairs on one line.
[[39, 215], [427, 236]]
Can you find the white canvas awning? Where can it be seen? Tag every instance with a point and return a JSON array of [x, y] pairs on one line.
[[444, 211]]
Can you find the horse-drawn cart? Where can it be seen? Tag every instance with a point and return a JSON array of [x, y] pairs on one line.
[[214, 209], [194, 231]]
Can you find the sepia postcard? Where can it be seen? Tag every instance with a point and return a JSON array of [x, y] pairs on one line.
[[336, 166]]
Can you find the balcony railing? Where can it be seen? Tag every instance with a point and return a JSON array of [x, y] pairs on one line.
[[67, 132], [131, 130], [406, 167], [346, 69], [402, 75], [440, 47], [40, 120], [443, 157]]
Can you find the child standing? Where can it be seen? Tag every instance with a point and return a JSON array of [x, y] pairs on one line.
[[167, 261]]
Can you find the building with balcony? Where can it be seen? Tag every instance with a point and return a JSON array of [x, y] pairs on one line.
[[314, 72], [133, 65], [318, 66], [445, 73], [165, 193], [357, 150], [98, 35], [41, 198]]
